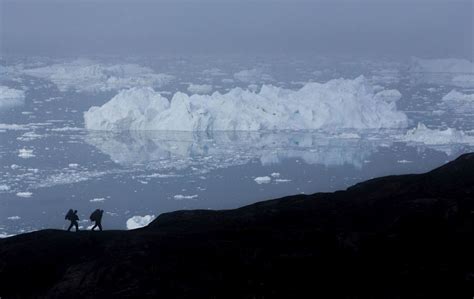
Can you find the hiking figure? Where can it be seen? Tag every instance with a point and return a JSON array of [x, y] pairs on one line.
[[72, 216], [96, 216]]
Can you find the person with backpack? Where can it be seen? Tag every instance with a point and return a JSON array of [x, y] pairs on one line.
[[72, 216], [96, 216]]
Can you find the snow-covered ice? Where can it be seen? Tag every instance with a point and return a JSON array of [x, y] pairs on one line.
[[181, 197], [445, 65], [252, 76], [139, 221], [24, 194], [14, 218], [25, 153], [11, 97], [89, 76], [97, 199], [339, 103], [263, 179], [458, 101], [422, 134], [200, 88]]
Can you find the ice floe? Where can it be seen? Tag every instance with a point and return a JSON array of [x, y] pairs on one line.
[[14, 218], [97, 199], [25, 194], [181, 197], [139, 221], [445, 65], [339, 103], [263, 180], [10, 97], [422, 134], [89, 76], [252, 76], [458, 101], [200, 88], [25, 153]]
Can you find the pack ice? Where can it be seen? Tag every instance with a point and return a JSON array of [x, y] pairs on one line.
[[89, 76], [10, 97], [339, 103]]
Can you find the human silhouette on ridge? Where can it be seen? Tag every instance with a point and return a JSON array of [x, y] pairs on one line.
[[72, 216], [96, 216]]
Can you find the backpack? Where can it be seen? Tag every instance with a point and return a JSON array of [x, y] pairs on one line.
[[69, 215], [95, 215]]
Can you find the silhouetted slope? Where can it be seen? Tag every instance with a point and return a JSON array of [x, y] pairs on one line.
[[396, 236]]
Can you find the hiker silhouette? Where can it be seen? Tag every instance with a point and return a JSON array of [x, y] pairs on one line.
[[72, 216], [96, 216]]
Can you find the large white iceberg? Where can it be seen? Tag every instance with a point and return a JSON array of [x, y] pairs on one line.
[[90, 76], [339, 103], [10, 97], [422, 134]]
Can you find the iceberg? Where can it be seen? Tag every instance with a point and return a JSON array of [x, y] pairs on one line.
[[88, 76], [10, 97], [422, 134], [446, 65], [337, 104], [459, 102], [449, 71]]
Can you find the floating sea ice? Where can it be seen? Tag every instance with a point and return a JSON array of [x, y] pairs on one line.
[[139, 221], [73, 165], [200, 88], [4, 187], [275, 175], [14, 218], [98, 199], [458, 101], [10, 97], [282, 180], [24, 194], [422, 134], [181, 197], [263, 180], [25, 153]]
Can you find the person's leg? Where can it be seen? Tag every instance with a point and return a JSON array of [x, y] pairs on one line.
[[77, 226], [100, 225], [95, 225], [70, 226]]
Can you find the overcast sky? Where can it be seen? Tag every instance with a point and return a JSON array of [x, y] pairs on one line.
[[433, 28]]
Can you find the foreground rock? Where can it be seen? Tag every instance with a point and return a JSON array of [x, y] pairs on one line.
[[396, 236]]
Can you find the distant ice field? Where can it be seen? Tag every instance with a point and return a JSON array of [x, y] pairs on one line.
[[241, 130]]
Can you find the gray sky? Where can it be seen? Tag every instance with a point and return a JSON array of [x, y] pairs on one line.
[[434, 28]]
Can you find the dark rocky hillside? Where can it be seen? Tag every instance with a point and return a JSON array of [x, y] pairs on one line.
[[392, 237]]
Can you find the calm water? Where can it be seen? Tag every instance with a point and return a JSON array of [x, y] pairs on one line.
[[49, 164]]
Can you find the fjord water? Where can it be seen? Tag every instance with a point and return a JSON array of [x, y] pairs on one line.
[[50, 163]]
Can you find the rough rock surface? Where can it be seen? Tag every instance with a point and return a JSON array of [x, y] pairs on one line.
[[390, 237]]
